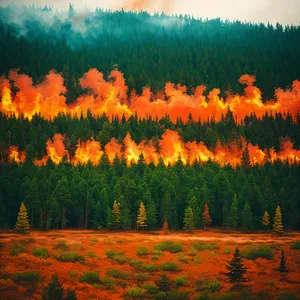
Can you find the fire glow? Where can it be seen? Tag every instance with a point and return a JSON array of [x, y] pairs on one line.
[[170, 149], [110, 96]]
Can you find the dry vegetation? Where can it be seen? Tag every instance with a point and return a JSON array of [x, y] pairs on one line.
[[102, 265]]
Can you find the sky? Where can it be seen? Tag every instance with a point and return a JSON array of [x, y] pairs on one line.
[[273, 11]]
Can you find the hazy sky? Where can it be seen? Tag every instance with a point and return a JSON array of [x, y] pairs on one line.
[[282, 11]]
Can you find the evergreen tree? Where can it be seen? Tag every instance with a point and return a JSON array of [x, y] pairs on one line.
[[282, 266], [277, 224], [116, 212], [165, 227], [142, 217], [188, 219], [236, 268], [54, 289], [266, 220], [247, 216], [206, 217], [22, 225], [233, 218], [164, 283], [151, 215], [246, 158], [70, 294], [192, 203]]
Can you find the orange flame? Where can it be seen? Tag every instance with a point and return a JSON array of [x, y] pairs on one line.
[[14, 155], [110, 97]]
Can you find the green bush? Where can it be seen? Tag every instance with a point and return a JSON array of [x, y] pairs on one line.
[[155, 257], [108, 283], [72, 274], [182, 295], [136, 263], [91, 254], [180, 281], [150, 267], [32, 277], [135, 292], [90, 277], [71, 256], [16, 249], [141, 251], [295, 245], [151, 288], [197, 260], [41, 252], [209, 286], [227, 251], [173, 247], [169, 266], [140, 277], [117, 256], [62, 245], [157, 252], [200, 246], [164, 283], [183, 258], [116, 273], [111, 253], [192, 252], [253, 252]]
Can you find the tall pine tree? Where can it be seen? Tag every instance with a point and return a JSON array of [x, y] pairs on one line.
[[277, 225], [235, 267], [22, 225]]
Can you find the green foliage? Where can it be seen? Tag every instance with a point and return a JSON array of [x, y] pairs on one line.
[[90, 277], [183, 258], [209, 286], [141, 251], [169, 266], [108, 283], [30, 276], [71, 256], [119, 257], [72, 274], [62, 245], [70, 294], [136, 263], [151, 288], [164, 283], [201, 246], [170, 246], [150, 267], [117, 273], [295, 245], [41, 252], [141, 277], [91, 254], [235, 267], [253, 252], [227, 251], [17, 248], [180, 281], [135, 292], [54, 289]]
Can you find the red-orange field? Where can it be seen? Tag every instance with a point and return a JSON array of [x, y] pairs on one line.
[[198, 273]]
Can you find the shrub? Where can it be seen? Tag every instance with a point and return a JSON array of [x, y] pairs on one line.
[[150, 267], [116, 256], [27, 241], [164, 283], [157, 252], [91, 254], [90, 277], [209, 286], [94, 240], [31, 276], [192, 252], [41, 252], [197, 260], [71, 256], [183, 258], [155, 257], [227, 251], [108, 283], [169, 266], [180, 281], [151, 288], [141, 251], [111, 253], [62, 245], [135, 292], [295, 245], [116, 273], [200, 246], [141, 277], [287, 296], [182, 295], [170, 246], [263, 251], [72, 274], [16, 249], [270, 283], [136, 263]]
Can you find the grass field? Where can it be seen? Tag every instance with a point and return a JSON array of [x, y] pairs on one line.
[[105, 265]]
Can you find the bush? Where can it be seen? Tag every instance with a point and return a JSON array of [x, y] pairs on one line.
[[180, 281], [32, 277], [140, 277], [27, 241], [141, 251], [200, 246], [183, 258], [108, 283], [295, 245], [90, 277], [164, 283], [91, 254], [136, 263], [173, 247], [227, 251], [192, 252], [116, 273], [16, 249], [157, 252], [72, 274], [135, 292], [62, 245], [169, 266], [263, 251], [209, 286], [182, 295], [151, 288], [71, 256], [150, 268], [197, 260], [41, 252], [116, 256]]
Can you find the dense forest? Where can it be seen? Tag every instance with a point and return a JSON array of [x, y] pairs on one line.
[[150, 50]]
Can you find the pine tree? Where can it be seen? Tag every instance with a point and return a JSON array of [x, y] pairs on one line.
[[277, 225], [116, 212], [206, 217], [247, 216], [151, 215], [22, 225], [188, 219], [246, 158], [266, 220], [282, 266], [233, 218], [142, 216], [70, 294], [165, 227], [164, 283], [236, 268], [54, 289]]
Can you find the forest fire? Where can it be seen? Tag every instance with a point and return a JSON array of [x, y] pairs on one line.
[[170, 149], [14, 155], [110, 97]]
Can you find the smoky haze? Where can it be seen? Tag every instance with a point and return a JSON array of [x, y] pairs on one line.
[[273, 11]]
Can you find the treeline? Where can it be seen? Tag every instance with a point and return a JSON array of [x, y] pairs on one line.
[[150, 50], [32, 136], [82, 197]]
